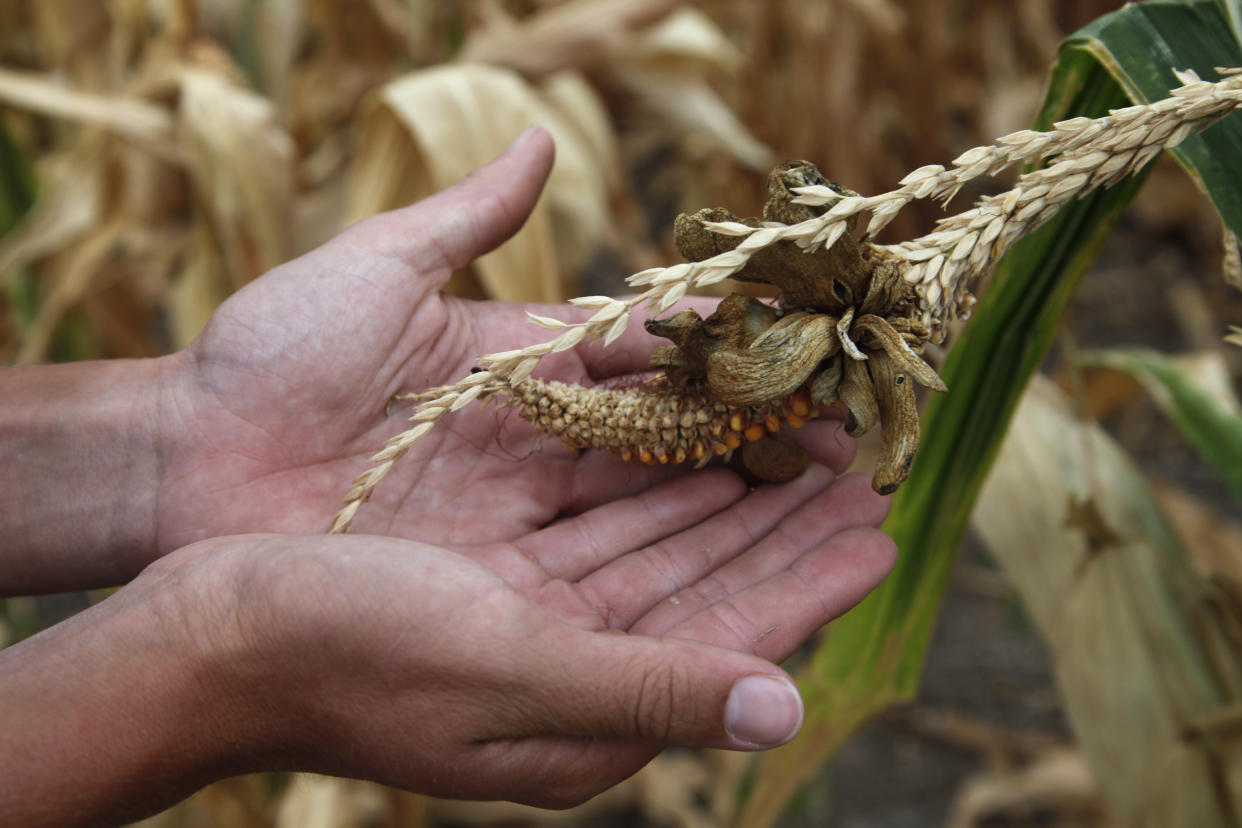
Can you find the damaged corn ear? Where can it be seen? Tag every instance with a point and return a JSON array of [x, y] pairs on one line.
[[858, 394], [775, 365], [804, 246], [899, 422], [657, 424], [898, 350]]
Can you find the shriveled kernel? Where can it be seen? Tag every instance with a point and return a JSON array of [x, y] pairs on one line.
[[698, 450], [772, 423], [626, 454], [679, 455], [646, 456], [662, 455]]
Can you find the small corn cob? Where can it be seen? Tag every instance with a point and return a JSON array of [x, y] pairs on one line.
[[653, 423]]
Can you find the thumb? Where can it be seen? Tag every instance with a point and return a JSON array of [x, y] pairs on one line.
[[671, 691], [451, 228]]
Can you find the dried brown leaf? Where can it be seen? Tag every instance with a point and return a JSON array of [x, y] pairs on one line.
[[196, 289], [693, 107], [240, 161], [70, 277], [1058, 782], [430, 128], [686, 42], [576, 34], [72, 203], [1136, 656], [131, 118]]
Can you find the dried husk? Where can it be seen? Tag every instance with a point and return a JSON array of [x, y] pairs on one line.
[[776, 364], [1144, 648]]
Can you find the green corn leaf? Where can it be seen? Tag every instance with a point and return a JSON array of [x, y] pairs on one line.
[[874, 656], [1213, 425], [1231, 10]]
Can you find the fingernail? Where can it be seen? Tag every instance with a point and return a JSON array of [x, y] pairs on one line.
[[763, 711]]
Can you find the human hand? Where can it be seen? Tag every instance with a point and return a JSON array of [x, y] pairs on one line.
[[279, 404], [533, 700], [406, 664], [508, 675]]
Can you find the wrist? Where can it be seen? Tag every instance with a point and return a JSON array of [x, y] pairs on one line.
[[112, 715], [79, 469], [221, 607]]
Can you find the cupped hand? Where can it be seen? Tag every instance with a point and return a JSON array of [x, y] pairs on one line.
[[411, 665], [281, 401]]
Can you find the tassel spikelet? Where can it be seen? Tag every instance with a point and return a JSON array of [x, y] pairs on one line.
[[851, 319]]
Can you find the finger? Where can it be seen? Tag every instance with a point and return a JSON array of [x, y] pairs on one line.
[[674, 579], [601, 477], [633, 584], [572, 548], [663, 691], [774, 616], [446, 231]]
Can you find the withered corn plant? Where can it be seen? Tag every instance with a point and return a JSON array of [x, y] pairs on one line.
[[851, 318], [851, 321]]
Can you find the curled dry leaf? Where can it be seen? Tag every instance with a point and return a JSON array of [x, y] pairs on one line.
[[839, 301], [1145, 648], [576, 34], [240, 161], [669, 69], [430, 128]]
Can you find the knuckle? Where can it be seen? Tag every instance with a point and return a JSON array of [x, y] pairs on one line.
[[655, 709]]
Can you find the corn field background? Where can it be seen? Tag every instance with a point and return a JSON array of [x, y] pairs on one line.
[[155, 155]]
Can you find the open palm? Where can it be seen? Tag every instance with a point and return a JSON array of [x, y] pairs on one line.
[[284, 397]]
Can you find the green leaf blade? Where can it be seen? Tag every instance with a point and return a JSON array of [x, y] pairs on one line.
[[874, 655]]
